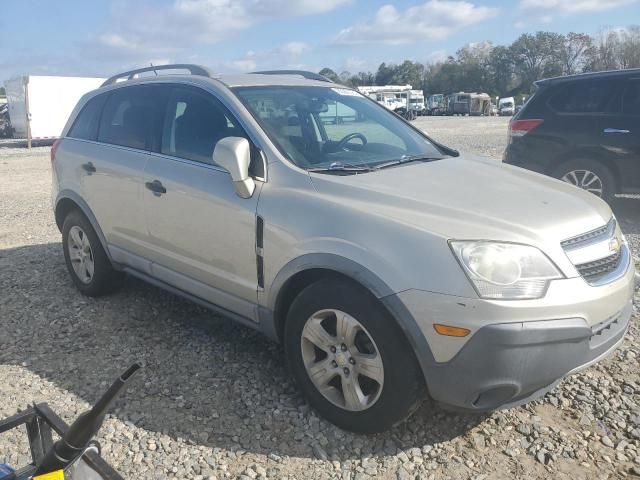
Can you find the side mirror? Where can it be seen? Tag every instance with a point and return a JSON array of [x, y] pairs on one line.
[[234, 155]]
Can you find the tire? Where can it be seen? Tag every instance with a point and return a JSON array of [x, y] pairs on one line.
[[591, 173], [79, 237], [383, 404]]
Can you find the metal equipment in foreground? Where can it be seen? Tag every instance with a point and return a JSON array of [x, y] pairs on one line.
[[75, 455]]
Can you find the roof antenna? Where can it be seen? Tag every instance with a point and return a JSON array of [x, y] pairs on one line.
[[154, 68]]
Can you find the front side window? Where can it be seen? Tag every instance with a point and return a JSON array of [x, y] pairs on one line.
[[321, 127], [194, 124], [132, 117]]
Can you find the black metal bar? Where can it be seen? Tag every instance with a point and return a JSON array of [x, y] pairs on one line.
[[17, 419], [52, 418], [39, 421], [35, 439], [191, 68]]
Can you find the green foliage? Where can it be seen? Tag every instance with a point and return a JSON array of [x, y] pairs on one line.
[[2, 92], [508, 70]]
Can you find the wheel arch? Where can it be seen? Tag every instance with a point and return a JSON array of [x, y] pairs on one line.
[[305, 270], [66, 202], [587, 154]]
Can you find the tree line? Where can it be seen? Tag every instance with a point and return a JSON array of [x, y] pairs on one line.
[[508, 70]]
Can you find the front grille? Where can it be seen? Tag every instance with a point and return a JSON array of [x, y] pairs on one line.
[[589, 236], [593, 271]]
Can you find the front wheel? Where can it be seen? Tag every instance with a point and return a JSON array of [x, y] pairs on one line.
[[350, 359]]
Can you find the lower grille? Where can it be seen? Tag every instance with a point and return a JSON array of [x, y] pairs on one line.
[[592, 271]]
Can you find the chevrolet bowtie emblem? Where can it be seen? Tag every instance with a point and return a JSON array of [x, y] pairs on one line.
[[614, 245]]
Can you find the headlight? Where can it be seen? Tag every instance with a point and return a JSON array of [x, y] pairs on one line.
[[506, 271]]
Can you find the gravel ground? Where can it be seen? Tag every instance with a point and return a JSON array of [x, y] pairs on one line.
[[215, 400]]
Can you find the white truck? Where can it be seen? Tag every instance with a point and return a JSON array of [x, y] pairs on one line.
[[506, 106], [388, 96], [416, 102], [39, 106]]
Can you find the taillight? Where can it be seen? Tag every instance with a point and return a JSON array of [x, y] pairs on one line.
[[519, 128], [54, 149]]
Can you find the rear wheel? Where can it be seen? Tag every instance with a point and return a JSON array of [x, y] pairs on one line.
[[87, 262], [350, 359], [588, 175]]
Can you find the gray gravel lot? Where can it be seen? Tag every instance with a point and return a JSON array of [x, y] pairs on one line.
[[215, 399]]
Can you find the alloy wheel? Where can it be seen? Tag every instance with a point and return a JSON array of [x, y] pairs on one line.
[[342, 360], [80, 254], [585, 179]]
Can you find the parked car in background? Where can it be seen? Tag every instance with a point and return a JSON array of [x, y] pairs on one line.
[[387, 264], [506, 106], [583, 129]]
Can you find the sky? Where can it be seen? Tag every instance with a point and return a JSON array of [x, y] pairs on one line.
[[103, 37]]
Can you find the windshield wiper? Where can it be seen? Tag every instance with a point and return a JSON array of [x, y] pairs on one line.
[[407, 159], [340, 167]]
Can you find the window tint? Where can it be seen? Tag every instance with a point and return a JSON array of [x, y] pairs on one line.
[[132, 117], [86, 124], [631, 100], [586, 97], [194, 124]]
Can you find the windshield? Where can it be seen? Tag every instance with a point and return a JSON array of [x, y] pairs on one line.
[[323, 128]]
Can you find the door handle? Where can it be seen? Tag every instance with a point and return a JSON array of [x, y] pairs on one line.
[[156, 187], [615, 130], [89, 168]]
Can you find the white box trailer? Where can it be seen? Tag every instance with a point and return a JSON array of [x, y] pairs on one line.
[[39, 106]]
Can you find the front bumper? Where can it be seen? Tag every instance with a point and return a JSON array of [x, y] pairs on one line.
[[517, 350], [509, 364]]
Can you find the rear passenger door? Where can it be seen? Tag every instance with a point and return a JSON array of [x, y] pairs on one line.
[[620, 133], [578, 107], [129, 127], [202, 234]]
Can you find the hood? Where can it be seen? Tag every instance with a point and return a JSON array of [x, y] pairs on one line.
[[470, 198]]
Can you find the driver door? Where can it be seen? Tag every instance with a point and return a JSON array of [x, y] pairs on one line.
[[202, 233]]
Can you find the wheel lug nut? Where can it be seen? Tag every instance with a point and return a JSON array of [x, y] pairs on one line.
[[346, 371], [334, 364], [333, 349], [352, 361], [343, 347]]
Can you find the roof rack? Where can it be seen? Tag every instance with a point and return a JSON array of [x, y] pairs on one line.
[[302, 73], [131, 74]]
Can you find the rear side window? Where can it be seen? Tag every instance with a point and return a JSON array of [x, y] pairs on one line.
[[631, 99], [86, 124], [585, 97], [195, 123], [132, 117]]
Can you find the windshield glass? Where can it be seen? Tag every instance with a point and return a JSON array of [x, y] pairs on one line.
[[322, 127]]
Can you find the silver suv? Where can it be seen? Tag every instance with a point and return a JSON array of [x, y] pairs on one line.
[[389, 266]]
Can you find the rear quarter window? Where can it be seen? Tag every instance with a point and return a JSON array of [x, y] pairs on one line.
[[85, 126]]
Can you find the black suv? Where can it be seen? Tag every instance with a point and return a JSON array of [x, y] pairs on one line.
[[583, 129]]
